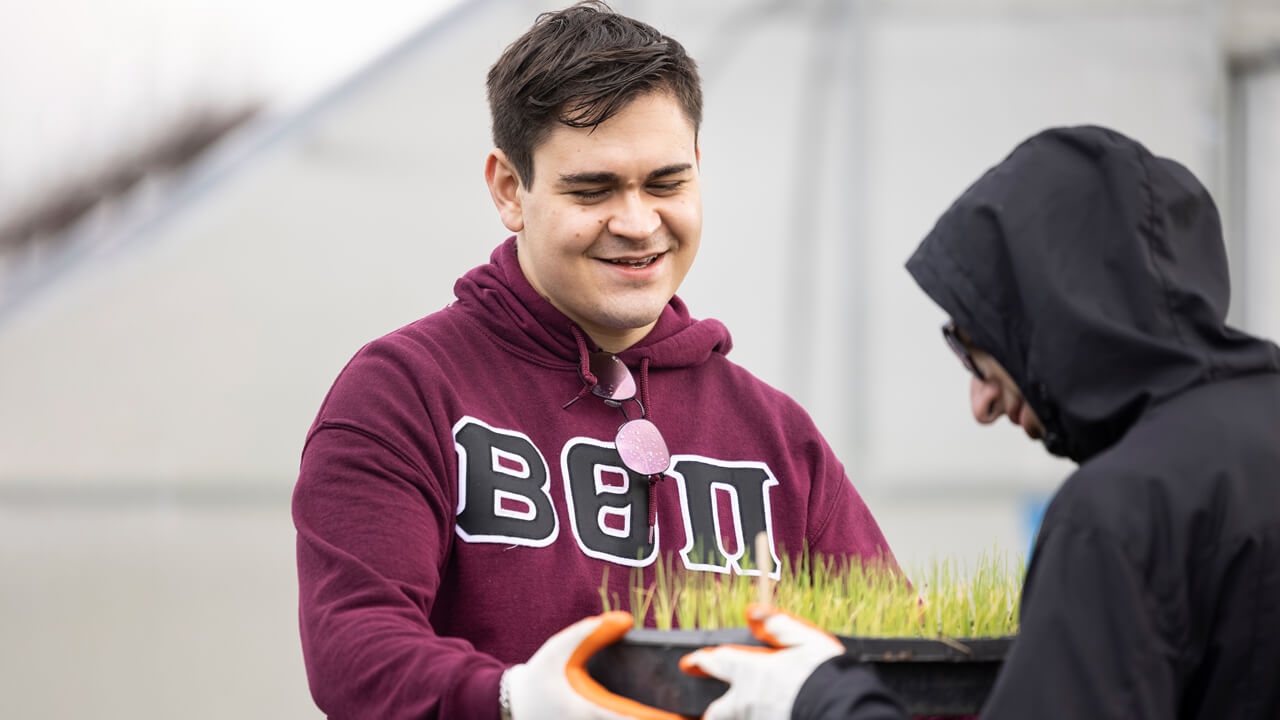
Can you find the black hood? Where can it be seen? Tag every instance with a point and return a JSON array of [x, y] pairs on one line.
[[1095, 273]]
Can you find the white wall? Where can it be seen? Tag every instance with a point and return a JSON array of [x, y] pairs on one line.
[[154, 400], [952, 95], [119, 607], [1258, 279]]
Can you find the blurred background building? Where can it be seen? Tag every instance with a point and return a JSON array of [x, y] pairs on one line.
[[186, 267]]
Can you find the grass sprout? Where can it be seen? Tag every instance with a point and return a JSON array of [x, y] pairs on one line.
[[845, 597]]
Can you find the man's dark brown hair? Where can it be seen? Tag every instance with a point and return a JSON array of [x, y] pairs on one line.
[[580, 66]]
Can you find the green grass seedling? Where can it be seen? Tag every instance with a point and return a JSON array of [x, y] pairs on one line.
[[849, 598]]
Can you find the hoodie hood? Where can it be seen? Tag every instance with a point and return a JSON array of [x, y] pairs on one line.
[[502, 300], [1095, 273]]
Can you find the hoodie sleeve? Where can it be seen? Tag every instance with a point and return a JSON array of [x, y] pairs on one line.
[[844, 689], [370, 544], [1088, 645]]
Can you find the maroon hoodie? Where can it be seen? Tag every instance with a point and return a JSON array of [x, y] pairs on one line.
[[453, 512]]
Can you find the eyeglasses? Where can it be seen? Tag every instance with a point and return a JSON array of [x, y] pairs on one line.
[[952, 335], [639, 444]]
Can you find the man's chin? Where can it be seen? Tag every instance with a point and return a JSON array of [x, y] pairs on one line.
[[637, 315]]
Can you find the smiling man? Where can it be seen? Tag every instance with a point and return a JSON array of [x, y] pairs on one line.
[[613, 224], [472, 478]]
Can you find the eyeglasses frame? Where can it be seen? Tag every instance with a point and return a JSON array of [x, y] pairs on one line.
[[951, 334]]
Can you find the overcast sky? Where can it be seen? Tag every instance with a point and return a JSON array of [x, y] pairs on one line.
[[82, 80]]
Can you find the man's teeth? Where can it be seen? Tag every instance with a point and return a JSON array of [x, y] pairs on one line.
[[643, 262]]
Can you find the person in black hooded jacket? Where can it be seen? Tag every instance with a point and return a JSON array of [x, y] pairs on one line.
[[1086, 280]]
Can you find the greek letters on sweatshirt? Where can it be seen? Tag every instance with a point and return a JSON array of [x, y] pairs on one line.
[[454, 509]]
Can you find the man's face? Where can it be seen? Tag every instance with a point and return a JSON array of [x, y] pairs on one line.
[[996, 394], [611, 223]]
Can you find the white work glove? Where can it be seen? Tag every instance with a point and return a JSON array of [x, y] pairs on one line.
[[764, 682], [554, 684]]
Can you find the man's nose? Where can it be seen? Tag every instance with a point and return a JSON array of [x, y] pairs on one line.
[[984, 400], [634, 217]]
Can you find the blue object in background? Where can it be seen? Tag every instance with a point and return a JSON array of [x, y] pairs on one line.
[[1033, 507]]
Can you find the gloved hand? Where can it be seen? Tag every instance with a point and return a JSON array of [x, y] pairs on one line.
[[554, 684], [764, 682]]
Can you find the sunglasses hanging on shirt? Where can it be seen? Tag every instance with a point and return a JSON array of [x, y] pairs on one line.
[[641, 447]]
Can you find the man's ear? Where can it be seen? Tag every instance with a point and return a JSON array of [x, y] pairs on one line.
[[504, 188]]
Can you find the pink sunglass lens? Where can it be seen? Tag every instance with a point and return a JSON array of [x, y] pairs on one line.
[[642, 448], [613, 379]]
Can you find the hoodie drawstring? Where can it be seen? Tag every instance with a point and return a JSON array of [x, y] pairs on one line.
[[644, 387], [653, 503], [653, 479], [584, 367]]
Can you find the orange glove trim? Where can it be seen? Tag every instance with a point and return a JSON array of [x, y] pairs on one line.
[[757, 615], [696, 671], [613, 626]]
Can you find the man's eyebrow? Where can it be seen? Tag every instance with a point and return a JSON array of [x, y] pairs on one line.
[[669, 170], [608, 178], [589, 178]]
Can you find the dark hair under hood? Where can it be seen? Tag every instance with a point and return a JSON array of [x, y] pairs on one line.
[[1095, 273]]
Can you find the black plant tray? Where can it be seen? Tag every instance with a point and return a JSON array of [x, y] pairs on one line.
[[930, 677]]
